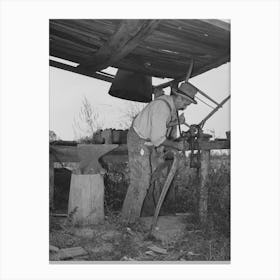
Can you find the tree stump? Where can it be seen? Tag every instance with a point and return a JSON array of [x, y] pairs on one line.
[[86, 199]]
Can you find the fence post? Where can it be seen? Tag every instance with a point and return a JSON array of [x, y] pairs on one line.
[[203, 188]]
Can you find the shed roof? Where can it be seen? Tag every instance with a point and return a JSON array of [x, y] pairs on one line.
[[159, 48]]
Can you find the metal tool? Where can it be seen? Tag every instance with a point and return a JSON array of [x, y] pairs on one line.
[[202, 123], [192, 136], [165, 188]]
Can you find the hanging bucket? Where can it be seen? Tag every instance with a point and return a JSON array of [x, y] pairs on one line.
[[132, 86]]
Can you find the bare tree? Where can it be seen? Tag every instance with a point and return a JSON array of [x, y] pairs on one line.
[[131, 111], [52, 136], [87, 122]]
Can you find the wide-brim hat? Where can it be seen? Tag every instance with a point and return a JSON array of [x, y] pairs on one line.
[[186, 90]]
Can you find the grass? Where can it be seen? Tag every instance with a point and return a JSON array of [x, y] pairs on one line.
[[208, 243], [131, 242]]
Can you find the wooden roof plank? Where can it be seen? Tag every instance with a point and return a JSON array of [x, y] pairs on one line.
[[218, 23], [186, 42], [206, 67], [103, 77], [126, 38], [71, 44], [82, 40], [163, 51]]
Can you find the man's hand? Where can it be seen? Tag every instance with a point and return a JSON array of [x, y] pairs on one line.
[[182, 118], [180, 145]]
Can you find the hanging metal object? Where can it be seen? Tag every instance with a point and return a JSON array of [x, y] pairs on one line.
[[132, 86]]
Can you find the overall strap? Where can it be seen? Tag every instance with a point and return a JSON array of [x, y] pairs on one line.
[[167, 103], [169, 106], [158, 99]]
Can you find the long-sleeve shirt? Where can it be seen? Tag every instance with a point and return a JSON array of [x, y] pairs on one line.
[[151, 123]]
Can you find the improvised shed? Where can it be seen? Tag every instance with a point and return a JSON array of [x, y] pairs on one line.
[[178, 49], [158, 48]]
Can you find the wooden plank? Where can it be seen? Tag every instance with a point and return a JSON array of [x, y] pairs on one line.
[[71, 43], [53, 248], [214, 111], [76, 35], [69, 253], [60, 53], [120, 154], [164, 50], [126, 38], [218, 23], [176, 41], [204, 94], [80, 71], [203, 189], [200, 70]]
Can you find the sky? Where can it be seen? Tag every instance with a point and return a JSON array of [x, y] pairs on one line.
[[68, 90]]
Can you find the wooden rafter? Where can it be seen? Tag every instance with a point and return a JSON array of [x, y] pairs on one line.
[[218, 23], [126, 38], [100, 76], [203, 69]]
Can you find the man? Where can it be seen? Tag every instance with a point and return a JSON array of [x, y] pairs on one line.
[[148, 132]]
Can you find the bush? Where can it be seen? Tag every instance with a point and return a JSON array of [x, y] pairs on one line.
[[185, 188]]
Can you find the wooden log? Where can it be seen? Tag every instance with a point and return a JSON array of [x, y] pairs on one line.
[[203, 189], [124, 40], [69, 253], [86, 199]]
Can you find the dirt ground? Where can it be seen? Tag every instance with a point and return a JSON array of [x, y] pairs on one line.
[[179, 239]]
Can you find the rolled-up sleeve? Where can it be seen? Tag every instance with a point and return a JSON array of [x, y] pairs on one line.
[[159, 118]]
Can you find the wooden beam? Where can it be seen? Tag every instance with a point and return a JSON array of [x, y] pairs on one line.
[[206, 67], [125, 39], [204, 94], [107, 78], [120, 154], [218, 23], [214, 111], [203, 188]]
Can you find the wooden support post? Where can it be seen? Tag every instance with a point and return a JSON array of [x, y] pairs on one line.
[[51, 183], [203, 188]]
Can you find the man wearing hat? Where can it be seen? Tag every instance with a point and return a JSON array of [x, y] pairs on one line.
[[149, 132]]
